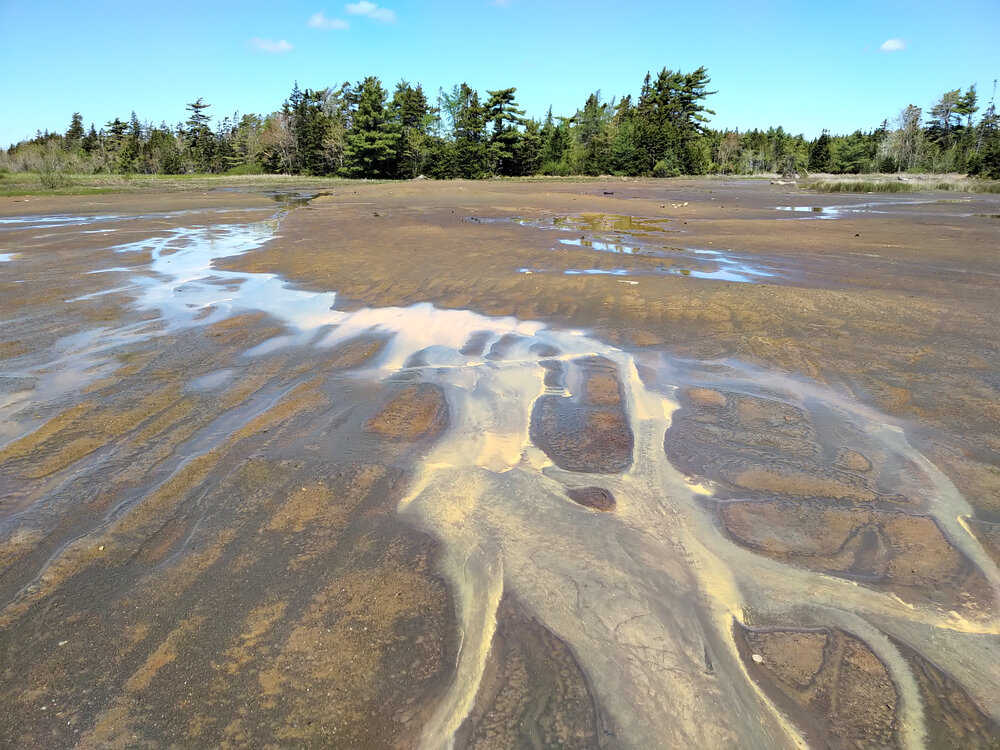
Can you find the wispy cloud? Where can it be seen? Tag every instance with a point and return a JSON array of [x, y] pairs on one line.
[[371, 10], [892, 45], [319, 21], [270, 46]]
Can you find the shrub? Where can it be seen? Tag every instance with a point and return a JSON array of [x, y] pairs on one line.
[[51, 179], [667, 166], [245, 169]]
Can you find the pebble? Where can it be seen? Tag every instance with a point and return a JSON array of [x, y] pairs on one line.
[[757, 658]]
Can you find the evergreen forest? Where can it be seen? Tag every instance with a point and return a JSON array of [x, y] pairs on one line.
[[363, 130]]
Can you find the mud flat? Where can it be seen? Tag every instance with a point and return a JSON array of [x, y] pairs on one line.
[[509, 464]]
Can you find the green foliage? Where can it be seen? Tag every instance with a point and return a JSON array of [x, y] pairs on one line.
[[199, 140], [895, 186], [668, 166], [501, 112], [75, 133], [245, 169], [53, 179], [409, 106], [527, 151], [864, 186], [358, 131], [373, 142], [820, 157], [470, 147]]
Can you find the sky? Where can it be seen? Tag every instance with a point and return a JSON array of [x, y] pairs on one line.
[[804, 65]]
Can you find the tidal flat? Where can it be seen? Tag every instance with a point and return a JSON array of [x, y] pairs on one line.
[[597, 464]]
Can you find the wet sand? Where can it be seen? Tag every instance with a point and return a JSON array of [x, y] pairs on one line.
[[580, 464]]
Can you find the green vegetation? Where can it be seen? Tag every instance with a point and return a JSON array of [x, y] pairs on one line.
[[31, 183], [875, 185], [360, 131]]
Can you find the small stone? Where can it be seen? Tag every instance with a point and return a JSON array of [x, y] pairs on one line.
[[757, 658]]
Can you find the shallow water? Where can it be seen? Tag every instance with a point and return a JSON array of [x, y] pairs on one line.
[[646, 596], [627, 235]]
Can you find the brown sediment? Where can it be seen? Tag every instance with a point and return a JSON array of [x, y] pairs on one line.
[[989, 535], [909, 555], [951, 717], [418, 411], [853, 461], [706, 397], [590, 431], [533, 692], [801, 485], [596, 498], [835, 688]]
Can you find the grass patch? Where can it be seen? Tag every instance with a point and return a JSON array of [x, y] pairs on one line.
[[915, 184], [863, 186], [60, 183]]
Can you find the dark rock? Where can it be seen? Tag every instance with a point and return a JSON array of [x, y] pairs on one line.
[[597, 498]]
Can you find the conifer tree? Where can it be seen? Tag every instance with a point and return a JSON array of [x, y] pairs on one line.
[[502, 113], [470, 135], [374, 136], [75, 132], [200, 142], [819, 154]]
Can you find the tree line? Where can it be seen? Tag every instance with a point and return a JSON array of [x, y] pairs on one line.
[[360, 130]]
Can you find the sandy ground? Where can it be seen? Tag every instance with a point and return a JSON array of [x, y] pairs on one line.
[[555, 458]]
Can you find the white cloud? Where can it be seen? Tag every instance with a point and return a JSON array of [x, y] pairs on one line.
[[371, 10], [270, 46], [892, 45], [319, 21]]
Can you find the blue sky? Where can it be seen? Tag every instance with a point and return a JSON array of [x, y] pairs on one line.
[[803, 65]]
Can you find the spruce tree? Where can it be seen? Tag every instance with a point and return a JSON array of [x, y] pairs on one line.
[[374, 136], [200, 142], [75, 133], [470, 135], [819, 154]]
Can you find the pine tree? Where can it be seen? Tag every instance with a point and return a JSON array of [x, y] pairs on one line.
[[945, 116], [374, 136], [91, 141], [410, 109], [200, 142], [819, 154], [501, 111], [75, 133], [309, 126], [470, 135]]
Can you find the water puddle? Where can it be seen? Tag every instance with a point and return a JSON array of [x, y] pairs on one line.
[[7, 257], [11, 223], [631, 236], [604, 247], [42, 222], [295, 198], [597, 272], [619, 223], [887, 206], [818, 212], [731, 268]]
